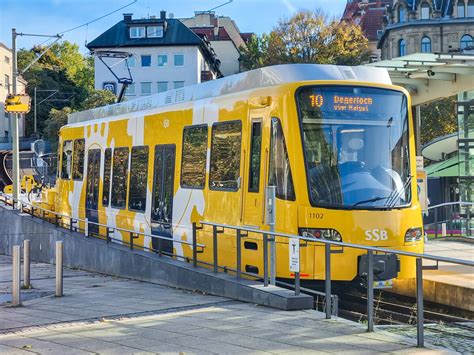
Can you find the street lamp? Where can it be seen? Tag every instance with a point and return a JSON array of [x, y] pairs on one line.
[[15, 134]]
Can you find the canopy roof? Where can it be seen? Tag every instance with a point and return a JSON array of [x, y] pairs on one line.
[[431, 76], [437, 148], [446, 168]]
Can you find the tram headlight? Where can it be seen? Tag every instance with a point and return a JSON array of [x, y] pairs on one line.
[[413, 235], [321, 233]]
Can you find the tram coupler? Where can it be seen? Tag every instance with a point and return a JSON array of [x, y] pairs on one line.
[[386, 266]]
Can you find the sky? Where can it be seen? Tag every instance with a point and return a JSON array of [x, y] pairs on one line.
[[55, 16]]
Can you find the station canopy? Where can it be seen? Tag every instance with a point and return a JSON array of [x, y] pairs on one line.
[[431, 76]]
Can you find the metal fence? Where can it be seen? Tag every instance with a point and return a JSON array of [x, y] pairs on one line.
[[450, 219], [266, 237]]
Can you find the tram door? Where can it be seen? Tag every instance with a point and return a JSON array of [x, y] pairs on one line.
[[92, 189], [162, 202], [255, 162]]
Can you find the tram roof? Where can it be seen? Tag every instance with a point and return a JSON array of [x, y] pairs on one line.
[[263, 77]]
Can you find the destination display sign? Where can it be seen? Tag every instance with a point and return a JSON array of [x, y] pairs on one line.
[[339, 102]]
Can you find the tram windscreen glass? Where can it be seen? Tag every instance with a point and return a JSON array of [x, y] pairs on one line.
[[356, 146]]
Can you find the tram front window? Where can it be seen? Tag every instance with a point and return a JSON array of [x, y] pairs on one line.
[[355, 142]]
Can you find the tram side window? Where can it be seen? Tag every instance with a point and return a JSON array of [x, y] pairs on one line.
[[255, 156], [78, 159], [225, 156], [138, 179], [107, 171], [280, 170], [119, 178], [193, 162], [66, 165]]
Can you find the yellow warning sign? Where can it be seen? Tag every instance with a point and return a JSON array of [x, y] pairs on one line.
[[18, 104]]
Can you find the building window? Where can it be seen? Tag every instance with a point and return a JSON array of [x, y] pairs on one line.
[[178, 84], [146, 61], [78, 159], [425, 11], [138, 179], [106, 183], [402, 48], [137, 32], [120, 178], [461, 9], [162, 86], [401, 14], [66, 162], [193, 162], [130, 62], [470, 8], [178, 60], [7, 60], [130, 90], [145, 88], [426, 45], [225, 156], [279, 169], [466, 41], [154, 31], [162, 60], [7, 82]]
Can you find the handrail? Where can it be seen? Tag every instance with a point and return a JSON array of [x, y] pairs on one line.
[[218, 228], [452, 203], [344, 244], [95, 223]]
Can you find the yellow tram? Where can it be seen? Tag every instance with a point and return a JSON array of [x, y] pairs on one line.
[[336, 142]]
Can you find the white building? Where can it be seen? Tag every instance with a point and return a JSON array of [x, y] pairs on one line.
[[224, 36], [165, 55], [5, 89]]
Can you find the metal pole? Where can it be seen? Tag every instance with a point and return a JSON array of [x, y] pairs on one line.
[[419, 303], [297, 283], [26, 263], [59, 268], [16, 292], [418, 129], [214, 248], [370, 292], [265, 260], [15, 133], [327, 281], [272, 196], [239, 254], [436, 222], [35, 121], [194, 245], [131, 240]]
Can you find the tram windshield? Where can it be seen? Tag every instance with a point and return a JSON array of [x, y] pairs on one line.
[[355, 143]]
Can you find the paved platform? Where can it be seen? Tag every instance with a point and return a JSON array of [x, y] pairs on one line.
[[451, 284], [103, 314]]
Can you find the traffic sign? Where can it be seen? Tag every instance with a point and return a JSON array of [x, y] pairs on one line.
[[17, 103], [294, 247]]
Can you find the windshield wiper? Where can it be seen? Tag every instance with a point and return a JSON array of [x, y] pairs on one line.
[[393, 200], [375, 199]]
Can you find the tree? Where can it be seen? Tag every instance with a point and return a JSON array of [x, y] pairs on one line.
[[438, 118], [57, 119], [308, 37], [99, 98]]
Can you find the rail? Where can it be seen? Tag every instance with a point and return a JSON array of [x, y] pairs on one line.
[[57, 217], [451, 215], [243, 232]]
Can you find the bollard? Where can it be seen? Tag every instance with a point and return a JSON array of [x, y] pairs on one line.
[[59, 269], [443, 229], [86, 227], [26, 264], [16, 292], [327, 281], [265, 260], [370, 291]]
